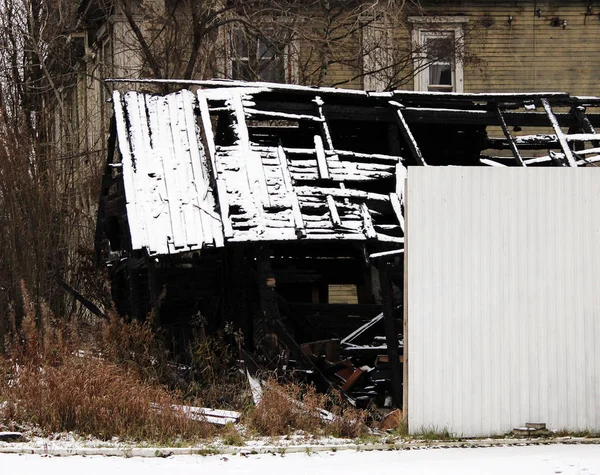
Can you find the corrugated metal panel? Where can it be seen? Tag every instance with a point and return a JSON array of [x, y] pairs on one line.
[[170, 206], [503, 298]]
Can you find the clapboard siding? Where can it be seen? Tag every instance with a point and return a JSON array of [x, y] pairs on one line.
[[528, 54]]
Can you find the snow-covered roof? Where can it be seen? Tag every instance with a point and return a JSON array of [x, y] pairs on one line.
[[249, 162], [188, 185]]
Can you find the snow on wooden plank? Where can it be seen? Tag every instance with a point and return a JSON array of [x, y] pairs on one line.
[[317, 100], [221, 187], [559, 133], [341, 193], [508, 135], [281, 115], [289, 189], [407, 134], [588, 160], [492, 163], [214, 416], [587, 151], [344, 153], [252, 161], [321, 160], [141, 148], [152, 180], [394, 252], [335, 217], [369, 230], [167, 127], [204, 199], [136, 226]]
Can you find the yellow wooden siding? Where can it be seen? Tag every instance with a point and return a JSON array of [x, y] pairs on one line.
[[528, 54], [343, 293]]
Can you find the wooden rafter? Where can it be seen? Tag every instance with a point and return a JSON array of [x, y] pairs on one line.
[[559, 133], [407, 134], [509, 137]]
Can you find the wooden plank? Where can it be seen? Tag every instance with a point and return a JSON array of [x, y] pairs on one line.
[[289, 188], [205, 199], [251, 159], [395, 200], [559, 133], [407, 134], [142, 149], [368, 228], [172, 135], [508, 135], [136, 224], [359, 331], [341, 193], [221, 188], [321, 160], [342, 153], [282, 115], [390, 332], [199, 175], [491, 163], [579, 113], [325, 127], [333, 212], [588, 160]]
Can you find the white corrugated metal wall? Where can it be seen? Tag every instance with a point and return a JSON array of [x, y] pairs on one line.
[[503, 303]]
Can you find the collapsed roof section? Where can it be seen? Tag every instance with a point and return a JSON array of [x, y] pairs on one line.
[[242, 162]]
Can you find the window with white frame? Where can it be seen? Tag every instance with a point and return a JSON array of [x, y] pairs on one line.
[[437, 44], [257, 57]]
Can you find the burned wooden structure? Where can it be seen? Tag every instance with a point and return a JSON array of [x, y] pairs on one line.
[[280, 209]]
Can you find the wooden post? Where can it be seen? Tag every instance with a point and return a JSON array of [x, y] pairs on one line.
[[133, 288], [266, 282], [390, 332], [153, 293], [237, 307]]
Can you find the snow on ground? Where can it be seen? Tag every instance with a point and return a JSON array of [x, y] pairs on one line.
[[530, 460]]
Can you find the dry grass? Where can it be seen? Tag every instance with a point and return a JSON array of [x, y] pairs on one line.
[[104, 385], [285, 408], [99, 398], [114, 380]]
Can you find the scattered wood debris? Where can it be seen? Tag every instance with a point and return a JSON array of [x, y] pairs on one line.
[[248, 204]]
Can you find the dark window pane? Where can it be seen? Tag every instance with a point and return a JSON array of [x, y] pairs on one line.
[[241, 46], [240, 69], [440, 74], [271, 70]]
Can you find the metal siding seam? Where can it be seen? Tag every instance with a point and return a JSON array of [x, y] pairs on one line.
[[136, 109], [136, 234], [534, 294], [202, 198], [193, 227]]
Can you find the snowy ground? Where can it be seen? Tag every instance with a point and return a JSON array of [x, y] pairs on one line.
[[530, 460]]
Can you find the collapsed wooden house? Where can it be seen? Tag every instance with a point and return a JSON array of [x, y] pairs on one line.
[[280, 208]]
